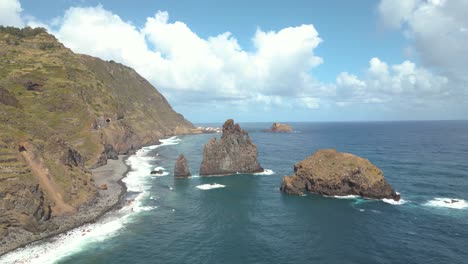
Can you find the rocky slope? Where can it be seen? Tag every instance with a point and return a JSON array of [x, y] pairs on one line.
[[60, 114], [328, 172], [280, 128], [181, 168], [233, 153]]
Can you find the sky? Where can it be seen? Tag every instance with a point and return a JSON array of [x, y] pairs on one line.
[[276, 60]]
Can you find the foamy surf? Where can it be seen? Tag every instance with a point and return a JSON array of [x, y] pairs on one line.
[[448, 203], [210, 186], [83, 237], [346, 196], [391, 201], [265, 172]]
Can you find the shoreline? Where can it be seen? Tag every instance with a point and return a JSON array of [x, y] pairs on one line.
[[105, 201]]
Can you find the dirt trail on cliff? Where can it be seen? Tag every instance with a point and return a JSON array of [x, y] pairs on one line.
[[42, 175]]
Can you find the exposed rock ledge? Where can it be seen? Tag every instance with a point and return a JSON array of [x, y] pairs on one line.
[[328, 172], [280, 128], [233, 153]]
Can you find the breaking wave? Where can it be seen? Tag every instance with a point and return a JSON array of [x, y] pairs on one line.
[[210, 186], [447, 203]]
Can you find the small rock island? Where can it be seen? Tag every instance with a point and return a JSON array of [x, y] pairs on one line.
[[328, 172], [181, 168], [233, 153], [280, 128]]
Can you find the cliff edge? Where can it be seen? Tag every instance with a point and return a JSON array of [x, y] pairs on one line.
[[62, 113]]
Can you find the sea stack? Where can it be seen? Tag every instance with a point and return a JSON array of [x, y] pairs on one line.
[[181, 168], [280, 128], [328, 172], [233, 153]]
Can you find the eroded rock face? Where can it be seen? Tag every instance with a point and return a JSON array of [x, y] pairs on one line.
[[233, 153], [181, 168], [280, 128], [328, 172], [8, 98]]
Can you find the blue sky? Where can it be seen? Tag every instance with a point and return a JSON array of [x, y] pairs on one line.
[[287, 61]]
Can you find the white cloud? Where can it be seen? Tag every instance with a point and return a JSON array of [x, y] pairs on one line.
[[310, 102], [178, 61], [10, 13], [381, 83], [276, 73], [437, 30]]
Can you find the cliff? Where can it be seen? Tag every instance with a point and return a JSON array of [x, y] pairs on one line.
[[233, 153], [328, 172], [62, 113]]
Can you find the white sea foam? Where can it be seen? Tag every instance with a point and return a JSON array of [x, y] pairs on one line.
[[170, 141], [85, 236], [391, 201], [210, 186], [346, 196], [452, 203], [265, 172]]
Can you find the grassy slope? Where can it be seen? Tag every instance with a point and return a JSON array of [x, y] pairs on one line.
[[61, 101]]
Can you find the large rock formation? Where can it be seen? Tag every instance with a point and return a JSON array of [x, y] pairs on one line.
[[181, 168], [328, 172], [233, 153], [280, 128], [60, 114]]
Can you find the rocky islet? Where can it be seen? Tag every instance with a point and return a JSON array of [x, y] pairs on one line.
[[331, 173]]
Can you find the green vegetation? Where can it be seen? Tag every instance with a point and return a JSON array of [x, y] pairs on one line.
[[53, 100]]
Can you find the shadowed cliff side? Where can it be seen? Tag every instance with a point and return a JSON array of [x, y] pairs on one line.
[[233, 153], [62, 113]]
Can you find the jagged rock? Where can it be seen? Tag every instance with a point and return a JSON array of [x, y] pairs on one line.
[[110, 152], [234, 152], [328, 172], [181, 168], [157, 172], [280, 128], [74, 158]]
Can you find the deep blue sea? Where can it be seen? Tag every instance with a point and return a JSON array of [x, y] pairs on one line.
[[248, 220]]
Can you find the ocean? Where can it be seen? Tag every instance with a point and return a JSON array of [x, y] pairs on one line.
[[244, 218]]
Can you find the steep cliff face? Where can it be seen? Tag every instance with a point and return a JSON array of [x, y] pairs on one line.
[[60, 114], [233, 153]]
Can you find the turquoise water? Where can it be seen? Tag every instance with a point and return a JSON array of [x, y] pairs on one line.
[[250, 221]]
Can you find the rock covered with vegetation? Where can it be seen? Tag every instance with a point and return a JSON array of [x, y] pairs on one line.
[[332, 173], [233, 153], [280, 128], [60, 114]]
